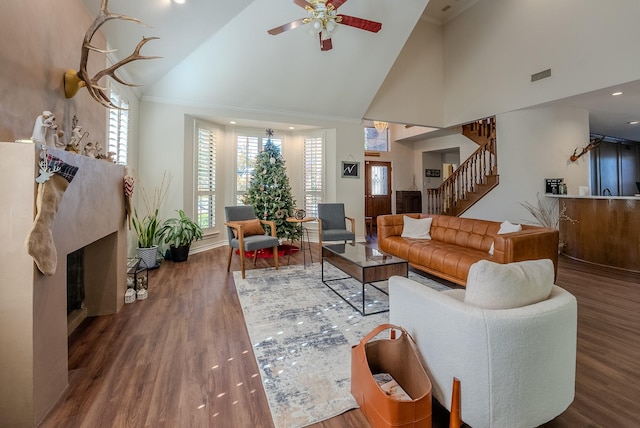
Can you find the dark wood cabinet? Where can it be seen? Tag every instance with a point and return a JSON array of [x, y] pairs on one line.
[[408, 201]]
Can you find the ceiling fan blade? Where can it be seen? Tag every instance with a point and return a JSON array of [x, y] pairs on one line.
[[337, 3], [326, 44], [303, 4], [363, 24], [289, 26]]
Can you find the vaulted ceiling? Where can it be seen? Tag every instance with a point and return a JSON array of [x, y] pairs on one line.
[[217, 54]]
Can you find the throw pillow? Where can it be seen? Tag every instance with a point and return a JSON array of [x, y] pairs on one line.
[[504, 286], [506, 227], [417, 228], [249, 227]]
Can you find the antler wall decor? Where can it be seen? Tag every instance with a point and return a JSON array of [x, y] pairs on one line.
[[74, 80], [592, 145]]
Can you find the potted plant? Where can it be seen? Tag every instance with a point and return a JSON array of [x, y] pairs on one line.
[[146, 229], [179, 233], [148, 226]]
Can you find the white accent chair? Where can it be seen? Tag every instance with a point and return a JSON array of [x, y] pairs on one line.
[[516, 366]]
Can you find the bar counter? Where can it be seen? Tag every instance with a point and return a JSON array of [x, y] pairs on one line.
[[606, 231]]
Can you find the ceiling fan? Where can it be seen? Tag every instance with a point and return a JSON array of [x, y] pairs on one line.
[[323, 18]]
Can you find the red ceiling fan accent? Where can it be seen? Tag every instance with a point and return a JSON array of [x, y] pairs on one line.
[[323, 17]]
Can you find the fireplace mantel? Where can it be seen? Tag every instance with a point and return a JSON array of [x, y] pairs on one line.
[[33, 317]]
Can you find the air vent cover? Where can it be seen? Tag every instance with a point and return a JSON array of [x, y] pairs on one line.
[[541, 75]]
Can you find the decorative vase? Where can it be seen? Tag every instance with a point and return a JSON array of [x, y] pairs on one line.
[[148, 256], [181, 253]]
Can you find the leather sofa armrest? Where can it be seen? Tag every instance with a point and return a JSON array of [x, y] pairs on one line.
[[527, 244]]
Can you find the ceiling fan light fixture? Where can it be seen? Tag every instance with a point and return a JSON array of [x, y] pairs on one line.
[[380, 126]]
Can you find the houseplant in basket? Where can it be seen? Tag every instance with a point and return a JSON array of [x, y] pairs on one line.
[[179, 233], [146, 228]]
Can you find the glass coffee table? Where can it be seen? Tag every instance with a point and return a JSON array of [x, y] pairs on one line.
[[365, 265]]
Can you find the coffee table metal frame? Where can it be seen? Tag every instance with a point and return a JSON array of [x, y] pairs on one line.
[[364, 264]]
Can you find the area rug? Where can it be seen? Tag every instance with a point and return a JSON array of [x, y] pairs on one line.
[[302, 334]]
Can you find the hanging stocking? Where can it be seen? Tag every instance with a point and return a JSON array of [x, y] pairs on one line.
[[53, 181], [128, 192]]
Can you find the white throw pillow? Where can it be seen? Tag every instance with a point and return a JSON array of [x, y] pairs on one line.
[[503, 286], [506, 227], [417, 228]]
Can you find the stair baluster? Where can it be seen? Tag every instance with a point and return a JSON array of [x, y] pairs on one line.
[[475, 177]]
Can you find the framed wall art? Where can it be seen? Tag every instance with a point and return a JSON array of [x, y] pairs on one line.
[[350, 169], [432, 173]]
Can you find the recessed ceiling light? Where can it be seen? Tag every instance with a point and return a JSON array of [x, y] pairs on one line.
[[292, 127], [233, 122], [615, 94], [633, 122], [179, 1]]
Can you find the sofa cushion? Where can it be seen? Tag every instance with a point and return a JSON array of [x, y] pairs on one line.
[[417, 228], [506, 227], [504, 286]]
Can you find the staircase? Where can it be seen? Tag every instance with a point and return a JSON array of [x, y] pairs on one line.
[[475, 177]]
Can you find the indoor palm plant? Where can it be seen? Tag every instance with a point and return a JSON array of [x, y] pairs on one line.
[[179, 232]]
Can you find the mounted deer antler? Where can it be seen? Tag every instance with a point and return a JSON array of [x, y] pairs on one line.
[[592, 145], [74, 80]]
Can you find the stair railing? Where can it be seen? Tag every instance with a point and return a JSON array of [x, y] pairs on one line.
[[465, 179]]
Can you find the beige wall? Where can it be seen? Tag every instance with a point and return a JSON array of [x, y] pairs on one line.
[[39, 40]]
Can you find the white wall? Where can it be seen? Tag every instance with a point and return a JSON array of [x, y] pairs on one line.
[[166, 128], [534, 144], [412, 92], [491, 50]]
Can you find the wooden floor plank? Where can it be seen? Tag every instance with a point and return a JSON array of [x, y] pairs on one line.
[[183, 356]]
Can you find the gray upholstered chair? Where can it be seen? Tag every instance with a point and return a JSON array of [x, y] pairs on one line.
[[241, 229], [332, 224]]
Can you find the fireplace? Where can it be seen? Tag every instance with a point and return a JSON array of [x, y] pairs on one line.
[[33, 339]]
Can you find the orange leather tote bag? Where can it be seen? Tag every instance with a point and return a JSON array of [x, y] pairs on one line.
[[398, 358]]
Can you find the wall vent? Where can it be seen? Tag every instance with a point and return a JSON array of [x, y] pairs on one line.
[[541, 75]]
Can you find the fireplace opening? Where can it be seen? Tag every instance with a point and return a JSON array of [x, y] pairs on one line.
[[75, 281]]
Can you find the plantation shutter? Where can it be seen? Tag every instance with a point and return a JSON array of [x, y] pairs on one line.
[[118, 132], [313, 174], [248, 147], [206, 178]]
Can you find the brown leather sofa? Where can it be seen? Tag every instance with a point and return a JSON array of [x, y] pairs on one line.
[[456, 243]]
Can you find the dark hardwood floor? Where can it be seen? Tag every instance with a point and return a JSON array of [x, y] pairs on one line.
[[182, 358]]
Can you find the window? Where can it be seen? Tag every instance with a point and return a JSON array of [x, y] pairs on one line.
[[248, 147], [313, 174], [376, 141], [118, 131], [205, 176]]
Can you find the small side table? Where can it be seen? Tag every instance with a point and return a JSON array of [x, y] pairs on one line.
[[303, 230]]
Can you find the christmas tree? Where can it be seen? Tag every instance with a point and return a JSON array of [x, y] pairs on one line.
[[269, 191]]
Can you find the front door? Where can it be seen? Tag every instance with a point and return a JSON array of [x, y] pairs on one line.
[[377, 177]]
